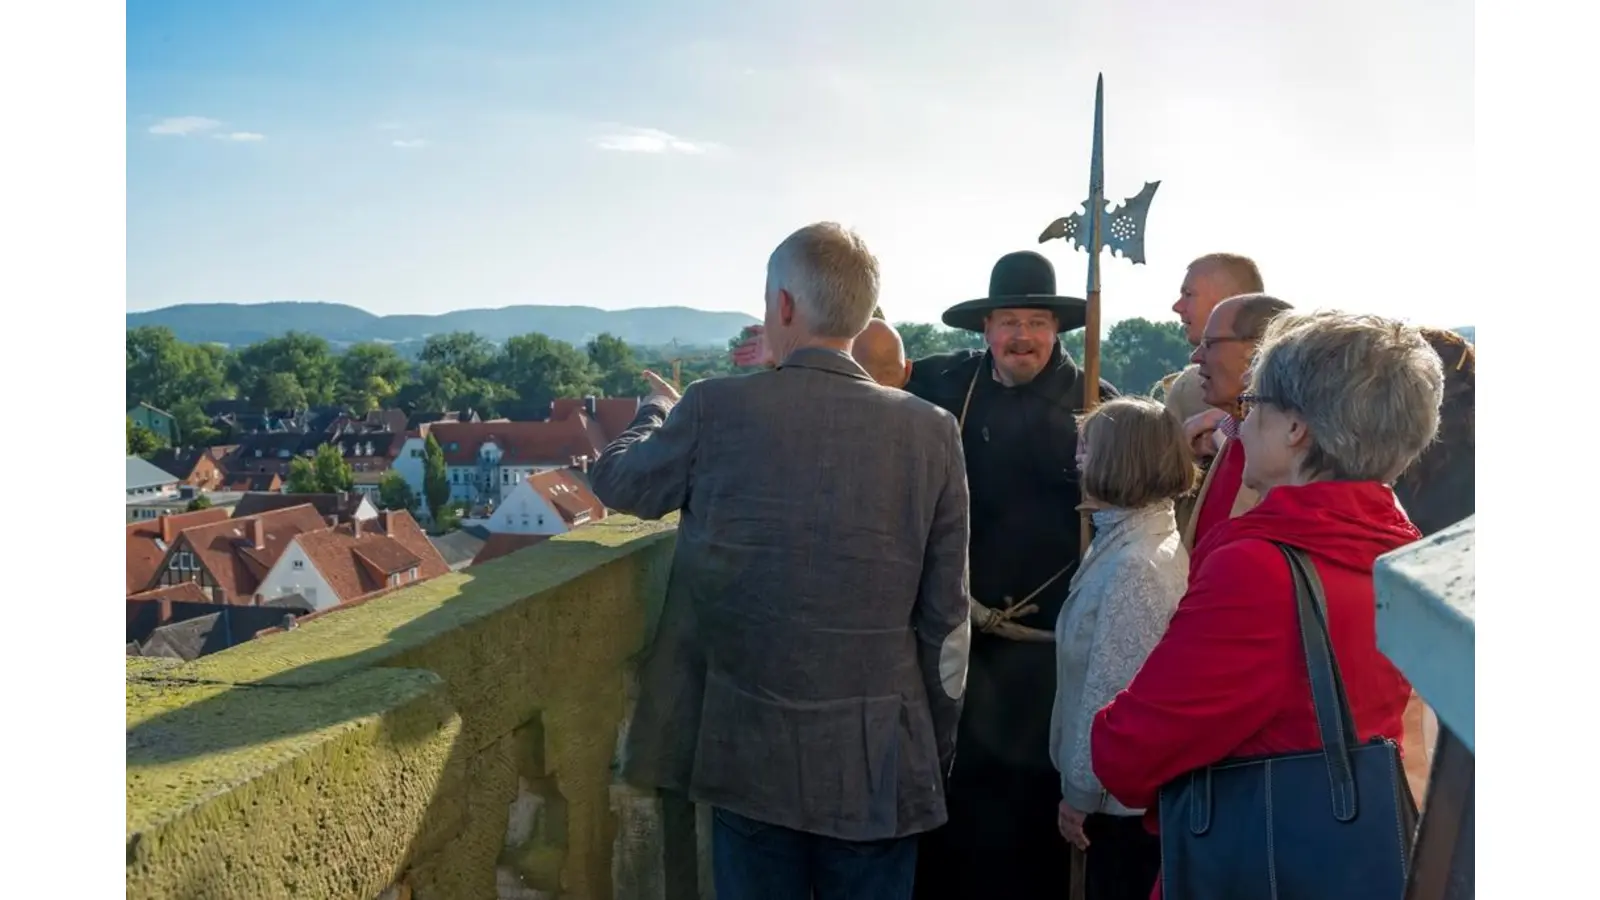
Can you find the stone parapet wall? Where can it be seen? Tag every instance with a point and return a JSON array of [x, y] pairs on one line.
[[454, 740]]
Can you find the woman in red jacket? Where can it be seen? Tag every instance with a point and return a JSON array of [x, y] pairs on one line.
[[1339, 406]]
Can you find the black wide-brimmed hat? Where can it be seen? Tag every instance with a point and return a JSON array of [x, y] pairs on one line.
[[1021, 280]]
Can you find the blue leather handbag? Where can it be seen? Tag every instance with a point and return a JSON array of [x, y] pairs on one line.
[[1331, 824]]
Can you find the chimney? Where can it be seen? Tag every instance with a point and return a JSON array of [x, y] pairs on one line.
[[258, 533], [384, 521], [588, 405], [169, 530], [217, 595]]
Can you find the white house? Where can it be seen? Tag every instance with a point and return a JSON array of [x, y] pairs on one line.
[[550, 502], [485, 460], [295, 573], [342, 564]]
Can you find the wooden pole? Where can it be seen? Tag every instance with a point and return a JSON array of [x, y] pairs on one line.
[[1091, 393]]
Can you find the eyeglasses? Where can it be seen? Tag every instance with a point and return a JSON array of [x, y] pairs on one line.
[[1206, 343], [1249, 401]]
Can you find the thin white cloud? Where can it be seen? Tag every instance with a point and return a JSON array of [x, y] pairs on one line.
[[240, 136], [408, 143], [183, 126], [651, 140]]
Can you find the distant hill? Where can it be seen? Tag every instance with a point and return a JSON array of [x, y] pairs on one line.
[[236, 324]]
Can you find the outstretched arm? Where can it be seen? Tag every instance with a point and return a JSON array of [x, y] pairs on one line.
[[645, 471]]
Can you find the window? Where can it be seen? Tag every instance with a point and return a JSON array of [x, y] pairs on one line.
[[413, 573], [415, 453], [298, 565], [455, 476], [541, 520]]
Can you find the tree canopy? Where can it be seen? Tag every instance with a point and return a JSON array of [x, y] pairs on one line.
[[518, 379]]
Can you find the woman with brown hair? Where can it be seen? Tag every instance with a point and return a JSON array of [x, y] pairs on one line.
[[1133, 462], [1437, 490]]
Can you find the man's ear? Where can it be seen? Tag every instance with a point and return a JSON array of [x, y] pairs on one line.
[[785, 308], [905, 374]]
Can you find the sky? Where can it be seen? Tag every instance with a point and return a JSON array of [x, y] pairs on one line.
[[419, 157]]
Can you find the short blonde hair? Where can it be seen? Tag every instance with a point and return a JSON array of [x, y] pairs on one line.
[[1241, 271], [1137, 453]]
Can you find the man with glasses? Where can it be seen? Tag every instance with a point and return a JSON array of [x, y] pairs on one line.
[[1222, 359], [1016, 402]]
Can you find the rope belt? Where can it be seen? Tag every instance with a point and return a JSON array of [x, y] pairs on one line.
[[998, 622]]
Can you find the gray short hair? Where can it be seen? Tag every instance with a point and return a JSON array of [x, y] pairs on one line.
[[1255, 312], [1367, 387], [831, 275]]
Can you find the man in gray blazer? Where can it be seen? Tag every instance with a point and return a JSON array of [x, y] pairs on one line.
[[811, 658]]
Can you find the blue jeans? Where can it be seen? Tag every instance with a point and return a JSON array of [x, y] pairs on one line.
[[756, 861]]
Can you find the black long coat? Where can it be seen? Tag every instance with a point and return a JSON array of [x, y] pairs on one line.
[[1020, 445]]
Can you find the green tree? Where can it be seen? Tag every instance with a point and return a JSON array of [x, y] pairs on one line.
[[924, 340], [369, 375], [141, 440], [435, 477], [198, 503], [326, 473], [289, 372], [538, 370], [165, 372], [394, 493], [280, 390], [455, 372], [1137, 353], [467, 353], [618, 370]]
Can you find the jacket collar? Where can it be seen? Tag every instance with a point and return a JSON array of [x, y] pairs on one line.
[[825, 360]]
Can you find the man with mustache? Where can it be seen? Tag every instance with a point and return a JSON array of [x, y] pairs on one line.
[[1016, 402]]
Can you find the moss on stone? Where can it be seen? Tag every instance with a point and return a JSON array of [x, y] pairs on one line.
[[278, 792], [298, 735]]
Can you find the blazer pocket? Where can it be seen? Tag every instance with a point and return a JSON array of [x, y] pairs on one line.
[[830, 766]]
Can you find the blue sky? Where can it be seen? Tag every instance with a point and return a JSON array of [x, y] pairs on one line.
[[423, 156]]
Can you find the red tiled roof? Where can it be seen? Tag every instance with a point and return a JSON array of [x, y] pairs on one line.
[[187, 592], [499, 545], [570, 497], [554, 442], [228, 552], [148, 542], [269, 483], [383, 555], [613, 415], [357, 565]]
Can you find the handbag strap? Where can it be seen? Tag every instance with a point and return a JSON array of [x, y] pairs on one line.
[[1334, 719]]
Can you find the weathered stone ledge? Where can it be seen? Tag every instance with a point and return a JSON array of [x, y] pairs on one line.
[[452, 740]]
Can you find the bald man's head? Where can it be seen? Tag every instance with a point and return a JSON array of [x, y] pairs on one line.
[[879, 350]]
